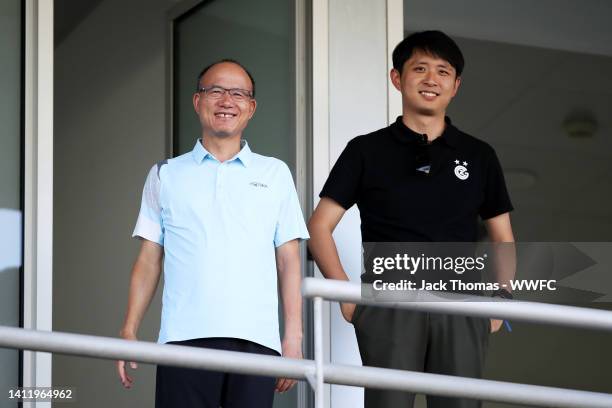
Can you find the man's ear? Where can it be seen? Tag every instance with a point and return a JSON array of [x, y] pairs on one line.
[[252, 107], [396, 79], [457, 83], [196, 102]]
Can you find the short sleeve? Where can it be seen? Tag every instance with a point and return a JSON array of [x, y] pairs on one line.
[[496, 199], [290, 224], [149, 223], [344, 180]]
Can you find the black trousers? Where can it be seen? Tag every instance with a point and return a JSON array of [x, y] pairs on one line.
[[193, 388], [423, 342]]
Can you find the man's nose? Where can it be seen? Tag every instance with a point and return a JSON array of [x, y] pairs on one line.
[[430, 78], [226, 99]]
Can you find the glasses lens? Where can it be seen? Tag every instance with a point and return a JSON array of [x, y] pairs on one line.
[[215, 92], [238, 94]]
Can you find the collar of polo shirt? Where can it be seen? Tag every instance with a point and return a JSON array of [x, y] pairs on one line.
[[404, 134], [244, 156]]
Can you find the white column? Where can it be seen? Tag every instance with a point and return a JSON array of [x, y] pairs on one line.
[[38, 237]]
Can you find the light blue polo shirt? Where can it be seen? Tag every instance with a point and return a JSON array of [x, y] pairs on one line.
[[219, 224]]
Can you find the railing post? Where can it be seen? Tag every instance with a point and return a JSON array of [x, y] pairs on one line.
[[318, 351]]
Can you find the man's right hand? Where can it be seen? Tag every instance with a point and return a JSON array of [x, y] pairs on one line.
[[347, 309], [143, 283], [126, 380]]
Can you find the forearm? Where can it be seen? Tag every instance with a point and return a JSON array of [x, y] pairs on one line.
[[504, 263], [290, 279], [323, 249], [143, 284]]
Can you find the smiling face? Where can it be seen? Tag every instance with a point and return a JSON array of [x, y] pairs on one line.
[[427, 84], [224, 117]]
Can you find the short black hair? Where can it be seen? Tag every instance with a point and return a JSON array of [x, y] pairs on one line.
[[431, 42], [205, 70]]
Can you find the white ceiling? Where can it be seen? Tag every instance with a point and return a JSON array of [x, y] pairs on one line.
[[570, 25]]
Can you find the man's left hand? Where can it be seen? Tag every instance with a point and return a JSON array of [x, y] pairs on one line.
[[496, 324], [292, 348]]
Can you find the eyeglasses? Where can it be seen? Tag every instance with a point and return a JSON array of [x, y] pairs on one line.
[[217, 92]]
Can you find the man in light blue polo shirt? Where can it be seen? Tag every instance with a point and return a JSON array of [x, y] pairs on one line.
[[225, 223]]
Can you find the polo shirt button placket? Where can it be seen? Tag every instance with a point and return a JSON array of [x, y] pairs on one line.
[[220, 180]]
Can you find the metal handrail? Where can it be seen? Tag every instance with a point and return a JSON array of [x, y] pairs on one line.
[[246, 363], [534, 312], [316, 373]]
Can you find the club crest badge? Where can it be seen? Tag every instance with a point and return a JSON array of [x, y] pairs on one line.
[[461, 170]]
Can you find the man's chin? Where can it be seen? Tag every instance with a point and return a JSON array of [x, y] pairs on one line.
[[426, 112], [422, 109], [224, 134]]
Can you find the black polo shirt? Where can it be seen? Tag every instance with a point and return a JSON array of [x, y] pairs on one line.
[[398, 203]]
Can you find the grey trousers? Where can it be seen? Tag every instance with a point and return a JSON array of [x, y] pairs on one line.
[[423, 342]]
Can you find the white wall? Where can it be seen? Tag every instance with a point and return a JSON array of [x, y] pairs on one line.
[[109, 129]]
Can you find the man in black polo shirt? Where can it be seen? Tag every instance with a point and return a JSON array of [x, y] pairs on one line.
[[418, 180]]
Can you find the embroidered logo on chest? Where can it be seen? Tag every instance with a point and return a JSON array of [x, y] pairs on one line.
[[461, 170], [257, 184]]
